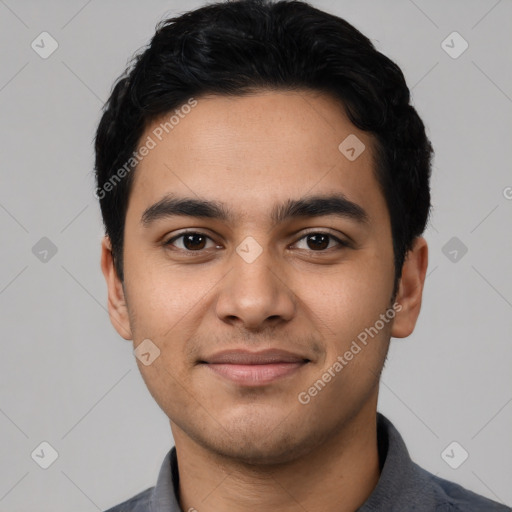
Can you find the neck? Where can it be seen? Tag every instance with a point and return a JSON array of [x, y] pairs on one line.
[[337, 476]]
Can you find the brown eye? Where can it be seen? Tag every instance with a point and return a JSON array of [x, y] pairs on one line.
[[191, 241], [319, 241]]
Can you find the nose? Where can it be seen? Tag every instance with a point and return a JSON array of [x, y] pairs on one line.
[[255, 294]]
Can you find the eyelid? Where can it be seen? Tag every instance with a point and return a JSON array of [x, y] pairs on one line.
[[325, 231], [341, 242], [188, 232]]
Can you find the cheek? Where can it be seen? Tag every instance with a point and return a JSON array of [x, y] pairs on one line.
[[168, 306], [347, 310], [351, 299]]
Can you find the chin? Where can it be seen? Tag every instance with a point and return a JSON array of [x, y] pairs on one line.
[[267, 455], [264, 446]]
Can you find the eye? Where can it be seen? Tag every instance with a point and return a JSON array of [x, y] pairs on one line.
[[318, 241], [192, 241]]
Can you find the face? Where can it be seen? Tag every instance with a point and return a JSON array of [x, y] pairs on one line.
[[292, 252]]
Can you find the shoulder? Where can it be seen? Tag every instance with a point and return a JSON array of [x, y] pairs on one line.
[[405, 486], [452, 497], [138, 503]]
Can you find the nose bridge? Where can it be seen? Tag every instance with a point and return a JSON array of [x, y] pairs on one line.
[[253, 276], [254, 291], [253, 267]]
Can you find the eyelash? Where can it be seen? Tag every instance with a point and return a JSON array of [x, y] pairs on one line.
[[169, 242]]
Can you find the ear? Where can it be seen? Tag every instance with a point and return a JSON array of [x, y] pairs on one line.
[[117, 308], [410, 290]]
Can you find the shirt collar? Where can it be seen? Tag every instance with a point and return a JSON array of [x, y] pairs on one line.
[[398, 486], [166, 491], [401, 480]]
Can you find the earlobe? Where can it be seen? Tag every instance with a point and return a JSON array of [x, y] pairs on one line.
[[410, 290], [117, 308]]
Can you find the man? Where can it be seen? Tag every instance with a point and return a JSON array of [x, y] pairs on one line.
[[264, 184]]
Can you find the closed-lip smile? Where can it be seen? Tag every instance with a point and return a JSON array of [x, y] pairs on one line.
[[251, 368]]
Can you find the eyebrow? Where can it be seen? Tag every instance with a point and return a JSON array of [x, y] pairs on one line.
[[309, 206]]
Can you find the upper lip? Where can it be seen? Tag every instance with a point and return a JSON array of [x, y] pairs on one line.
[[248, 357]]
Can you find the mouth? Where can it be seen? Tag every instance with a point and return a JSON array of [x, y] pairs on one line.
[[247, 368]]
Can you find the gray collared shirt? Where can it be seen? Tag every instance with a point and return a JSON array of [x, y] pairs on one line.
[[403, 486]]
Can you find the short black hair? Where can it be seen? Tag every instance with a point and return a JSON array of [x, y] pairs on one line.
[[238, 47]]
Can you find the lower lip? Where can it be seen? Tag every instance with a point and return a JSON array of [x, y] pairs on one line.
[[254, 374]]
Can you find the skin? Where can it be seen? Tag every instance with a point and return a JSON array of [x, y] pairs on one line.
[[252, 449]]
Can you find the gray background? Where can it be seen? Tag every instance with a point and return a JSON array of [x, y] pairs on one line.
[[67, 377]]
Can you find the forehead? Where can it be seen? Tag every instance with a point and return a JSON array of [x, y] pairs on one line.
[[251, 151]]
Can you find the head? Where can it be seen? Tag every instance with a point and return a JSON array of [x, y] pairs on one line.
[[275, 130]]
